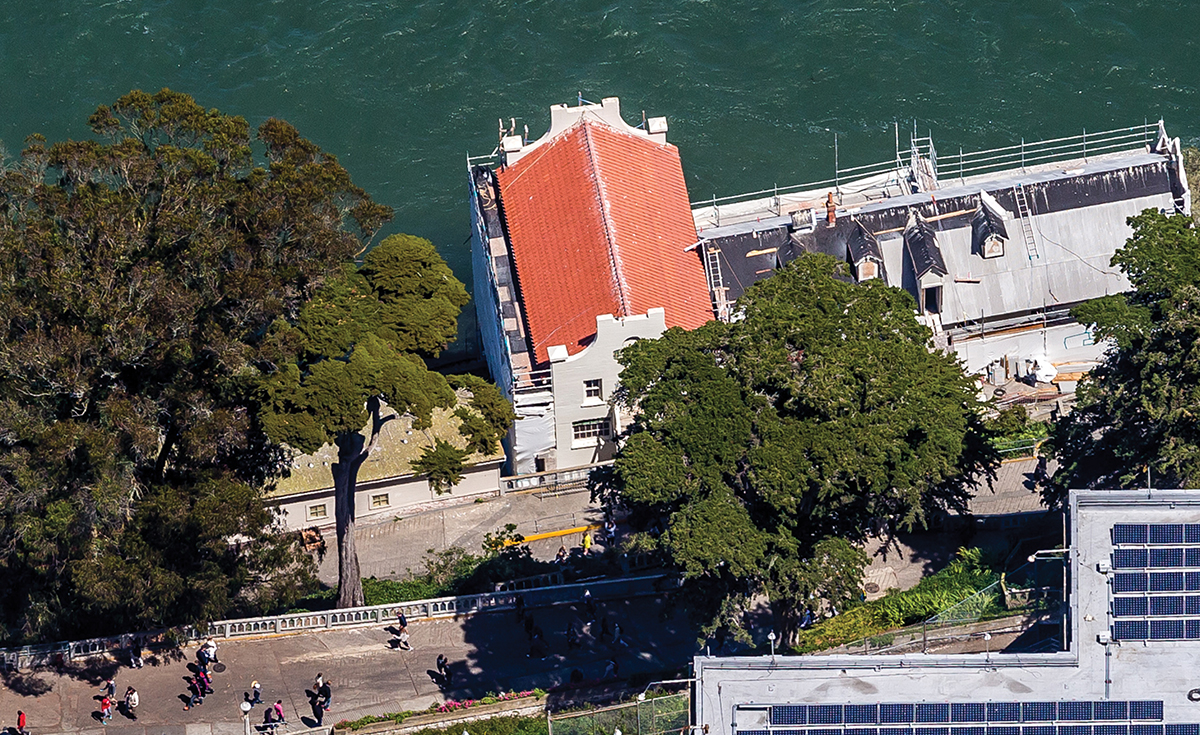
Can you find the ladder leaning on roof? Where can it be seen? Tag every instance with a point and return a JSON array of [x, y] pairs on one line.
[[1023, 213], [712, 263]]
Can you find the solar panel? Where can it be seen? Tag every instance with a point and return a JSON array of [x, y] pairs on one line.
[[932, 712], [1038, 730], [825, 714], [968, 712], [1130, 630], [1111, 711], [1192, 605], [1130, 607], [1076, 711], [1191, 557], [1145, 730], [1129, 533], [1166, 630], [1191, 630], [1166, 533], [1130, 558], [978, 730], [931, 731], [1191, 533], [889, 713], [1165, 558], [824, 731], [1166, 605], [752, 732], [1074, 730], [861, 731], [1003, 712], [895, 731], [1129, 582], [789, 714], [1110, 729], [1191, 580], [862, 714], [1145, 710], [1004, 730], [1166, 581], [1182, 729], [1038, 712]]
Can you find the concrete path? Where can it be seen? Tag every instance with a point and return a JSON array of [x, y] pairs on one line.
[[488, 654]]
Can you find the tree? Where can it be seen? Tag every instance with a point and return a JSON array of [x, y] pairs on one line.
[[766, 448], [139, 274], [1137, 410], [359, 346]]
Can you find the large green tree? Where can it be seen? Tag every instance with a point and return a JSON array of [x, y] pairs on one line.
[[360, 345], [766, 449], [139, 274], [1140, 407]]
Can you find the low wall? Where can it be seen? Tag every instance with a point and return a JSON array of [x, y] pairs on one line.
[[524, 707]]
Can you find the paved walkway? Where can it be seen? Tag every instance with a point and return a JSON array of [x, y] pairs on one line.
[[488, 654]]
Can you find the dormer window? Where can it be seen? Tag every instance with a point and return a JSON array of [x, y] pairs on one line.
[[868, 269], [993, 247], [988, 233], [864, 254]]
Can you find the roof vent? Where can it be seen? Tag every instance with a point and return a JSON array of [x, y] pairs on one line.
[[655, 125], [511, 143]]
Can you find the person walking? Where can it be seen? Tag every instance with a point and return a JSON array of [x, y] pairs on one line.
[[401, 622], [131, 703], [318, 712], [21, 723], [279, 711], [135, 654], [611, 671], [255, 693], [617, 640], [106, 707], [443, 667], [210, 649], [586, 543], [109, 688], [317, 682], [402, 641], [325, 695], [196, 693], [610, 532]]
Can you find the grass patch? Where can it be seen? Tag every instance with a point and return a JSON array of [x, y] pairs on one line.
[[506, 725]]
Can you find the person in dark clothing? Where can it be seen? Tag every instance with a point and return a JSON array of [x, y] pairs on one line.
[[196, 690], [318, 712], [443, 667], [325, 695]]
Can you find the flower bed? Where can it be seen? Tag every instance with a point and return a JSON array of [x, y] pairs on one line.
[[450, 706]]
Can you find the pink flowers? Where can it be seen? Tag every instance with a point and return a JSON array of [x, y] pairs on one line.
[[451, 705]]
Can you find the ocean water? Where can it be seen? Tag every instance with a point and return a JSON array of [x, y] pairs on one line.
[[754, 91]]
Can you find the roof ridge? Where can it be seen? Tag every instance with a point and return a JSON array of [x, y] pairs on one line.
[[614, 253]]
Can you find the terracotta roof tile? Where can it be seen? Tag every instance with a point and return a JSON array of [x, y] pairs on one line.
[[598, 220]]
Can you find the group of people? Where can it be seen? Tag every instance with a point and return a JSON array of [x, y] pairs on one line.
[[200, 684], [108, 701], [608, 536]]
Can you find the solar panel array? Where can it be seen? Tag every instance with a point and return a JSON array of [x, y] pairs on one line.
[[915, 716], [1144, 604]]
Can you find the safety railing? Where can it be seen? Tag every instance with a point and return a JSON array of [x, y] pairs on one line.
[[52, 654], [1026, 154], [532, 381], [573, 478]]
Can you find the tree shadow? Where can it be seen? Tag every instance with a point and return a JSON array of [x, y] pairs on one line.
[[26, 684]]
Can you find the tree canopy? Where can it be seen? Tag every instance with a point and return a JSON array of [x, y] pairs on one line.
[[762, 451], [139, 274], [361, 344], [1138, 408]]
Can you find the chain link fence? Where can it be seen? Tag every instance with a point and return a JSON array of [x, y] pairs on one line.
[[665, 715]]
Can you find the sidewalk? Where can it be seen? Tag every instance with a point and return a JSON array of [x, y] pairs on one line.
[[488, 654]]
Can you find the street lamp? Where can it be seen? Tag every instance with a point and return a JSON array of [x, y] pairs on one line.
[[245, 707], [771, 637]]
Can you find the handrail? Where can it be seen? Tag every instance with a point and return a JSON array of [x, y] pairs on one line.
[[434, 608]]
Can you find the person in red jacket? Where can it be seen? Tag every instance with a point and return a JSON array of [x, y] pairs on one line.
[[21, 723]]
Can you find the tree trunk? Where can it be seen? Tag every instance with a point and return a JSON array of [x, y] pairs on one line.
[[785, 616], [352, 451]]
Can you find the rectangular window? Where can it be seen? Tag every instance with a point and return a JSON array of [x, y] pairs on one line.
[[380, 501], [592, 428], [593, 388], [316, 511]]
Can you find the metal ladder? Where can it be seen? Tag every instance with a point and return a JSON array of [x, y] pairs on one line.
[[712, 262], [1023, 213]]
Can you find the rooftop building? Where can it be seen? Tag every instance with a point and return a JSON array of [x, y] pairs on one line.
[[1132, 630]]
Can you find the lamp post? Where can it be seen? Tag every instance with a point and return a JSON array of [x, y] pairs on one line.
[[771, 637], [245, 707]]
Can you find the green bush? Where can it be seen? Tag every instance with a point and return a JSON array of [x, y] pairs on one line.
[[962, 578], [534, 725]]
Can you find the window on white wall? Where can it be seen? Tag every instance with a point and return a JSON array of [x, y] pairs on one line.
[[594, 389], [317, 511], [592, 428], [380, 501]]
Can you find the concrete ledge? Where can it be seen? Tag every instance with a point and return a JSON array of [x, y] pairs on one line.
[[523, 707]]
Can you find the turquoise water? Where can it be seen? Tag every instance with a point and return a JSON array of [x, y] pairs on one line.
[[754, 91]]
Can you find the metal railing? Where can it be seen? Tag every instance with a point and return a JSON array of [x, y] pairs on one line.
[[52, 654], [665, 715], [574, 478], [1023, 155], [532, 381]]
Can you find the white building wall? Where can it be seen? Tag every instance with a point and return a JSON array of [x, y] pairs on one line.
[[596, 362]]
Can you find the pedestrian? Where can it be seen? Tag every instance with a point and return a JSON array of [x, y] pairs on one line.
[[617, 640], [131, 702], [401, 622], [586, 543], [325, 695], [210, 646], [443, 667], [21, 723], [106, 706], [270, 719], [195, 694], [590, 604], [135, 654], [318, 682], [610, 671], [205, 681], [318, 712], [610, 532], [561, 556], [403, 641], [109, 688], [279, 711], [255, 693], [520, 607]]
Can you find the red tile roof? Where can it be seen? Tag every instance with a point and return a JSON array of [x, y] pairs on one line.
[[598, 220]]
